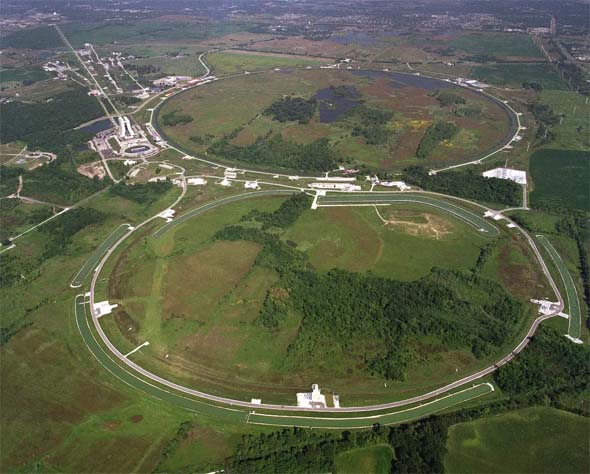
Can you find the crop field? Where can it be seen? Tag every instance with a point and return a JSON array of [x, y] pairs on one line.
[[208, 336], [560, 178], [514, 75], [497, 44], [223, 63], [410, 106], [374, 460], [533, 440]]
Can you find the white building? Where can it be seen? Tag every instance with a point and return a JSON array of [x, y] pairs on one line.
[[251, 185], [313, 399], [336, 186], [196, 181], [517, 176], [401, 185]]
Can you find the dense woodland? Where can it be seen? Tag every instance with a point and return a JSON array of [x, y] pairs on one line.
[[369, 123], [274, 150], [141, 193], [292, 109], [436, 133], [22, 120], [467, 184], [378, 320], [171, 119]]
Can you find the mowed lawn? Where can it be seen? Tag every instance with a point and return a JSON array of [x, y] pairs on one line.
[[533, 440], [560, 178], [371, 460]]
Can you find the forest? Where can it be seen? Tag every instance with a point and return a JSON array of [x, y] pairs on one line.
[[141, 193], [465, 184], [370, 123], [173, 118], [276, 151], [292, 109], [376, 320], [21, 120], [436, 133]]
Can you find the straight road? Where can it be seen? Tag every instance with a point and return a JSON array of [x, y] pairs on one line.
[[575, 313], [93, 260]]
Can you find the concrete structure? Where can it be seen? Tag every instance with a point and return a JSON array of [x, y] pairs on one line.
[[103, 307], [401, 185], [336, 186], [170, 81], [336, 179], [251, 185], [517, 176], [167, 214], [196, 181], [313, 399], [545, 306]]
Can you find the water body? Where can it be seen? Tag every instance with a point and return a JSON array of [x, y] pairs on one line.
[[334, 103], [404, 80], [137, 149], [97, 127]]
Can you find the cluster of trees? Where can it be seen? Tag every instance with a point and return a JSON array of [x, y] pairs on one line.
[[145, 194], [532, 85], [466, 184], [436, 133], [548, 366], [343, 308], [171, 119], [546, 118], [418, 447], [292, 109], [21, 120], [274, 150], [285, 216], [446, 98], [143, 69], [171, 446], [370, 123]]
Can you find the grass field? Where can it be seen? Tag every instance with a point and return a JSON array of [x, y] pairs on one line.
[[412, 104], [560, 179], [497, 44], [513, 75], [533, 440], [371, 460], [573, 130], [223, 63], [572, 300]]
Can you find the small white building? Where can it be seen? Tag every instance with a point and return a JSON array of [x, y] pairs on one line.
[[251, 185], [517, 176], [313, 399], [225, 182], [196, 181], [336, 186], [401, 185]]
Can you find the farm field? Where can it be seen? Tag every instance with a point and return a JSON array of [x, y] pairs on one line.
[[372, 460], [208, 335], [532, 440], [514, 75], [373, 119], [497, 44], [560, 178], [223, 63]]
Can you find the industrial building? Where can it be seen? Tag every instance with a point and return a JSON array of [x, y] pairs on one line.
[[517, 176]]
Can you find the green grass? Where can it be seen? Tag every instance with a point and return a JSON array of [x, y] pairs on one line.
[[20, 75], [572, 300], [573, 131], [371, 460], [513, 75], [223, 63], [560, 179], [497, 44], [533, 440]]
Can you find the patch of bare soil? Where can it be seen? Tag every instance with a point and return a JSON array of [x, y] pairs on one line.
[[418, 223], [91, 170]]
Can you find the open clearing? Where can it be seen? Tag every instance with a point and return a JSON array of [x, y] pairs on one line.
[[410, 102], [371, 460], [533, 440]]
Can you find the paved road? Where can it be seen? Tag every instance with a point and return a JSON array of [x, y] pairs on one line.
[[93, 260], [240, 403], [476, 221], [259, 416], [575, 313]]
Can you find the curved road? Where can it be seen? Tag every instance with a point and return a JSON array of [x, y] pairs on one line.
[[232, 402]]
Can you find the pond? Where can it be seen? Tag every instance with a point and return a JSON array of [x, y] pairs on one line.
[[336, 101]]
